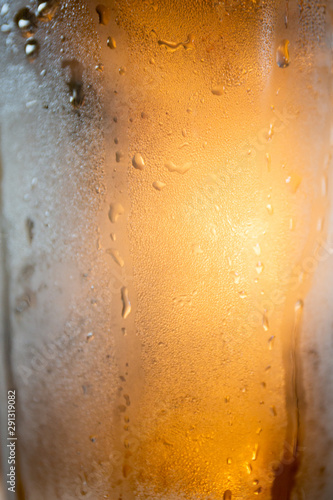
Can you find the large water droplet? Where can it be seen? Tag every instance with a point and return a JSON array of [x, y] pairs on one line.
[[46, 10], [31, 49], [111, 42], [116, 257], [282, 54], [25, 20], [255, 452], [126, 303], [265, 323], [138, 162], [159, 185], [116, 209], [104, 14], [181, 169]]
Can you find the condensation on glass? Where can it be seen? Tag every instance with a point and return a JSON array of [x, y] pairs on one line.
[[166, 258]]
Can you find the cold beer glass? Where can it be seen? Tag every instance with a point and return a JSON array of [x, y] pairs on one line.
[[166, 250]]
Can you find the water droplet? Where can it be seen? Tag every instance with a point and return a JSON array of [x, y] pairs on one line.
[[122, 70], [116, 209], [272, 410], [113, 236], [31, 48], [90, 337], [127, 469], [235, 277], [138, 162], [248, 467], [282, 54], [269, 209], [271, 342], [99, 67], [116, 257], [291, 224], [255, 452], [293, 181], [268, 161], [126, 303], [5, 28], [46, 10], [299, 306], [242, 294], [257, 249], [119, 156], [181, 169], [4, 9], [265, 323], [218, 90], [229, 461], [258, 491], [259, 267], [227, 495], [159, 185], [25, 20], [104, 14], [172, 46], [111, 42]]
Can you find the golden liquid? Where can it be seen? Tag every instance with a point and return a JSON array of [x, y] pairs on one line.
[[188, 182]]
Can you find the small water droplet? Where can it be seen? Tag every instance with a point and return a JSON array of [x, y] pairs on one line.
[[242, 294], [227, 495], [4, 9], [293, 181], [255, 452], [90, 337], [248, 467], [270, 209], [257, 249], [282, 54], [218, 90], [127, 469], [31, 48], [271, 342], [111, 42], [5, 28], [25, 20], [138, 162], [46, 10], [119, 156], [104, 14], [99, 67], [159, 185], [116, 209], [122, 70], [116, 257], [259, 267], [272, 410], [268, 161], [229, 461], [181, 169], [265, 323], [258, 491], [126, 303]]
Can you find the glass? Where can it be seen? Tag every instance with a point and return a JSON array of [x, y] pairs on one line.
[[165, 248]]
